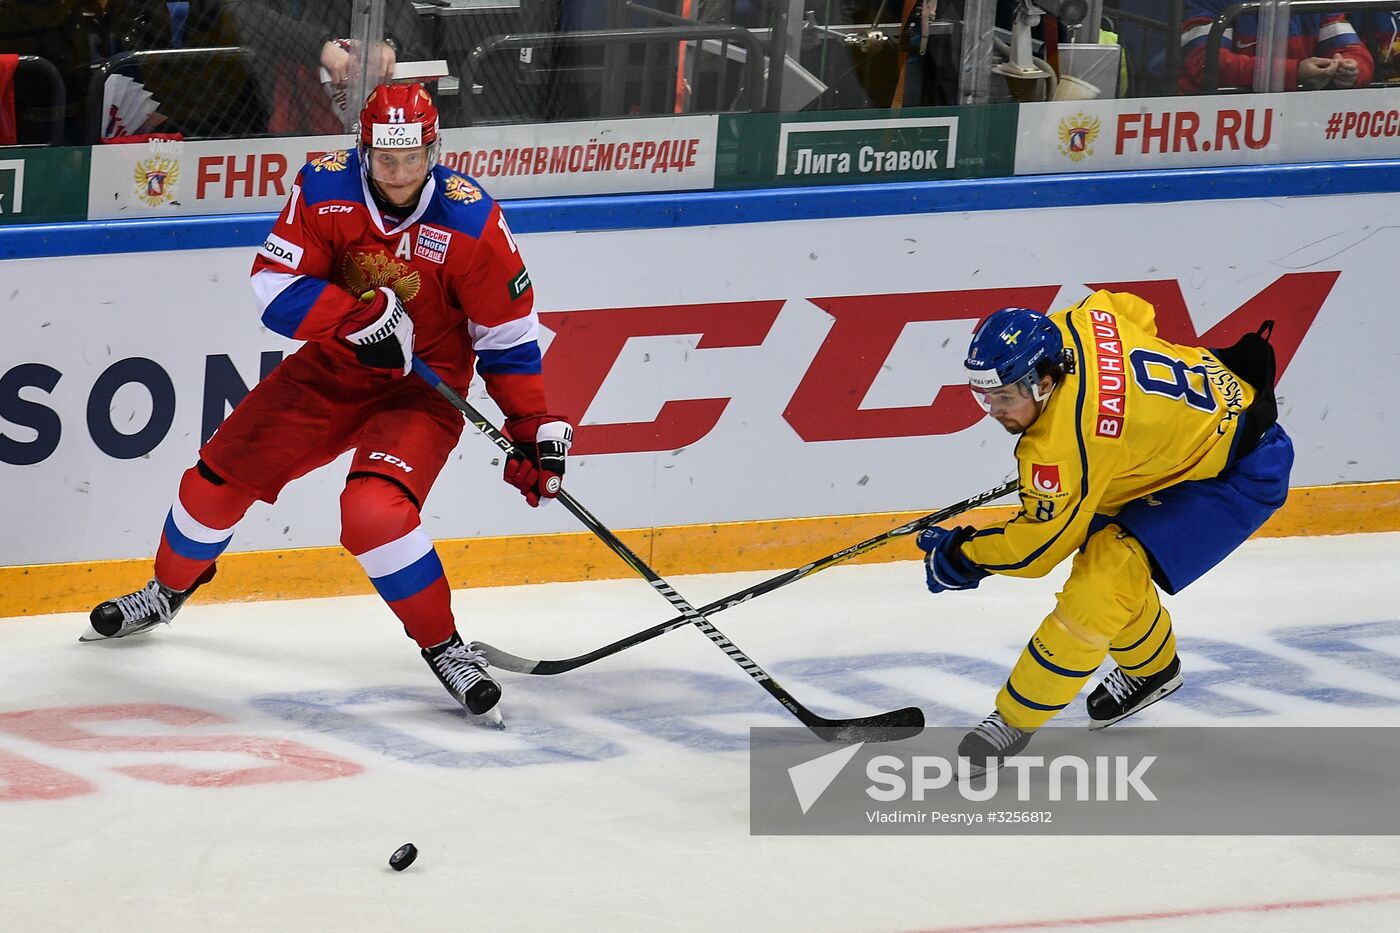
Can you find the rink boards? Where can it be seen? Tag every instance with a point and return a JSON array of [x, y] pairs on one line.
[[750, 394]]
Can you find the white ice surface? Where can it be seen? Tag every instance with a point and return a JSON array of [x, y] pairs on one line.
[[618, 797]]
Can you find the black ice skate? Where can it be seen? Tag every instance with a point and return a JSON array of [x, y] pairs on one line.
[[462, 671], [990, 743], [135, 612], [1120, 695]]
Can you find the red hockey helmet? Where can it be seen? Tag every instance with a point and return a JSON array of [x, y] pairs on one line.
[[399, 116]]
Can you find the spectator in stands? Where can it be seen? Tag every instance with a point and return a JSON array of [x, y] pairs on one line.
[[1381, 33], [889, 62], [295, 40], [909, 69], [74, 35], [1323, 51], [9, 132]]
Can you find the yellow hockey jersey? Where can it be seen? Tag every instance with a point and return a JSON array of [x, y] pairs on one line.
[[1137, 415]]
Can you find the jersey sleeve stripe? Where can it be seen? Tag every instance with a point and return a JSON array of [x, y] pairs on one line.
[[285, 313], [268, 284], [1191, 36], [504, 336], [1336, 35], [524, 359]]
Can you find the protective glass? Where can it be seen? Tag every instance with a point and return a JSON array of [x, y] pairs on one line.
[[1005, 396], [395, 167]]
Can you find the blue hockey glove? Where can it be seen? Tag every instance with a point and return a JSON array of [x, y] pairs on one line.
[[945, 568]]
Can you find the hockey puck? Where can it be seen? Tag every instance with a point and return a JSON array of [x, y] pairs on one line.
[[403, 856]]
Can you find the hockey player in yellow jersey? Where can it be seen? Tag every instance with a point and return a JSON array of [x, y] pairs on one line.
[[1146, 460]]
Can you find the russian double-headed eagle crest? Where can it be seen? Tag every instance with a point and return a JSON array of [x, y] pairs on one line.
[[459, 189], [1077, 136], [331, 161], [364, 272], [155, 179]]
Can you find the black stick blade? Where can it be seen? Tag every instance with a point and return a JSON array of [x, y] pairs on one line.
[[884, 727], [507, 661]]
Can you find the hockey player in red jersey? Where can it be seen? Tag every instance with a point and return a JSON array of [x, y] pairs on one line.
[[379, 254]]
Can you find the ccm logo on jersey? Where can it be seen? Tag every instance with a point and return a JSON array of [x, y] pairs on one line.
[[391, 459], [1045, 480], [279, 250], [335, 209], [432, 244]]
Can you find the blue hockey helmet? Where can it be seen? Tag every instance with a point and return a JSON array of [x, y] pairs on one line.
[[1007, 351]]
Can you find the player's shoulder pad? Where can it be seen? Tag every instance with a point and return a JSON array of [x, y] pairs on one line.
[[459, 203], [1127, 309], [334, 176], [1103, 307]]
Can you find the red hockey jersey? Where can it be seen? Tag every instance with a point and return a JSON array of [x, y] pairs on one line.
[[1309, 34], [452, 261]]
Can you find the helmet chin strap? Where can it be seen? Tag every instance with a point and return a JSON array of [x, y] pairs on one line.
[[1030, 386]]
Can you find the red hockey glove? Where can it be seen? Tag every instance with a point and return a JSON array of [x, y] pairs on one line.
[[537, 466], [380, 331]]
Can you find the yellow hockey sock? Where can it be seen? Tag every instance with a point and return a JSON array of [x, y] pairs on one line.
[[1052, 668]]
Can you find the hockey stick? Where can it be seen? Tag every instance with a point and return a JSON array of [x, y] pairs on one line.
[[882, 727], [510, 662]]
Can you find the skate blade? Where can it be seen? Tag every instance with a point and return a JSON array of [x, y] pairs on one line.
[[491, 719], [1161, 693], [93, 634]]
